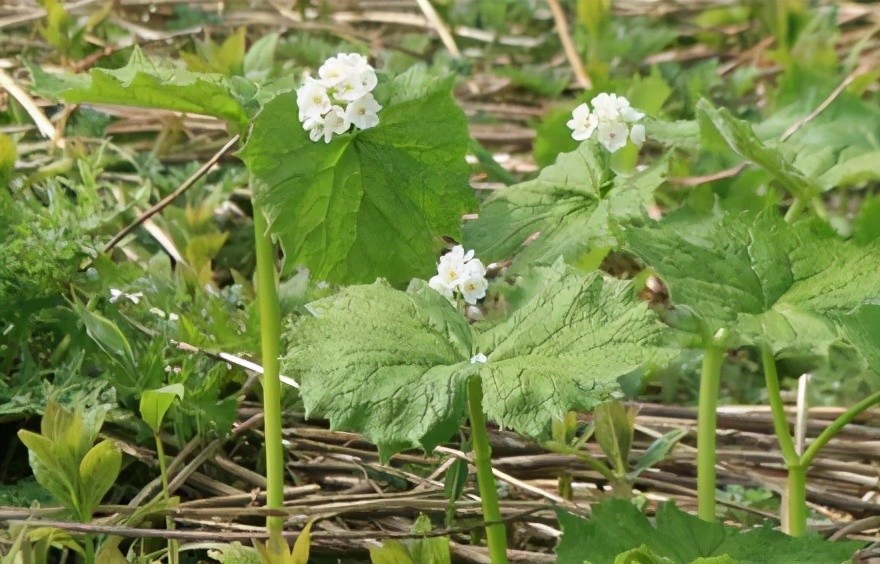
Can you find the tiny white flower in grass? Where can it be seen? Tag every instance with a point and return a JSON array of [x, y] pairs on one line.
[[116, 295], [613, 135], [610, 120], [363, 112], [312, 99], [637, 135], [479, 357], [582, 123], [473, 288]]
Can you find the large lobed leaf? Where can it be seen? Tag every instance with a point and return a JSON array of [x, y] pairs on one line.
[[767, 280], [387, 363], [148, 84], [566, 348], [617, 526], [394, 364], [371, 203], [572, 206]]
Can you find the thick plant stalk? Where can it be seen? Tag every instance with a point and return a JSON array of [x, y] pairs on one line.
[[796, 502], [270, 337], [794, 518], [707, 421], [496, 534]]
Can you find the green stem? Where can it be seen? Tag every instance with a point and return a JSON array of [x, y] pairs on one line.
[[496, 535], [169, 521], [796, 490], [563, 432], [710, 382], [797, 206], [780, 421], [89, 543], [845, 418], [270, 336]]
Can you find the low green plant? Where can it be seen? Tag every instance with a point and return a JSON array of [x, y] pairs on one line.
[[618, 532], [69, 465]]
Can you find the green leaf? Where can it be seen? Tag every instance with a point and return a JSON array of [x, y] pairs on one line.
[[299, 553], [866, 225], [235, 553], [742, 140], [56, 475], [429, 550], [390, 364], [862, 329], [840, 146], [391, 552], [393, 365], [260, 57], [614, 432], [147, 84], [573, 206], [97, 474], [758, 276], [565, 348], [156, 403], [656, 452], [8, 155], [372, 203], [108, 336], [641, 555], [617, 526]]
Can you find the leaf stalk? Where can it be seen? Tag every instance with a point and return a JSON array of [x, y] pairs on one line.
[[496, 533], [707, 422]]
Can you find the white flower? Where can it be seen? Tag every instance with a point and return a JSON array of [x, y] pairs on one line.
[[582, 123], [312, 99], [474, 267], [349, 89], [116, 295], [479, 357], [611, 117], [333, 71], [605, 106], [315, 126], [473, 288], [451, 269], [459, 271], [335, 122], [637, 135], [612, 135], [339, 98], [363, 112], [439, 284]]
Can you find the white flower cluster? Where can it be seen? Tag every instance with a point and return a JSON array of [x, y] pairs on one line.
[[610, 119], [340, 97], [460, 271]]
